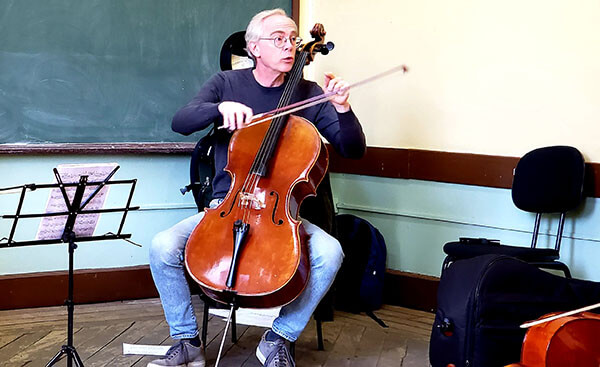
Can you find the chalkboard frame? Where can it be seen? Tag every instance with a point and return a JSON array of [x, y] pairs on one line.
[[112, 148]]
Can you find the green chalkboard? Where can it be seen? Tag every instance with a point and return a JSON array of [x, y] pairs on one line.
[[81, 71]]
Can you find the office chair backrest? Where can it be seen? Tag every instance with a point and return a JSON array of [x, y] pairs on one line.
[[549, 180], [233, 53]]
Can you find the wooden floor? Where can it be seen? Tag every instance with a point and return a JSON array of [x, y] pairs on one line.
[[31, 337]]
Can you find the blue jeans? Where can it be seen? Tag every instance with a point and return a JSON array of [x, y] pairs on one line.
[[168, 272]]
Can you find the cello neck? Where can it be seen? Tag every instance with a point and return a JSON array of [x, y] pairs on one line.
[[265, 152], [294, 76]]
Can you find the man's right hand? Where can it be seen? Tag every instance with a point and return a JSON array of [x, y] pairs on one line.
[[235, 115]]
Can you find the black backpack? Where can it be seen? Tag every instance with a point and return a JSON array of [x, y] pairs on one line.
[[359, 283]]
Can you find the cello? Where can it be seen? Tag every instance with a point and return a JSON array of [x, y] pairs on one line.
[[251, 250], [567, 339]]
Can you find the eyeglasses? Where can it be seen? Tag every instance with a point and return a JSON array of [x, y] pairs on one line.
[[280, 41]]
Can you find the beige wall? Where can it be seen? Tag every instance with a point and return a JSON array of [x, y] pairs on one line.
[[489, 77]]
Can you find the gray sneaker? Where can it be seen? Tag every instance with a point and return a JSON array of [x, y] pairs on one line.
[[181, 354], [274, 354]]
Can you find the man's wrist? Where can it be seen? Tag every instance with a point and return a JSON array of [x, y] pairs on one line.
[[342, 108]]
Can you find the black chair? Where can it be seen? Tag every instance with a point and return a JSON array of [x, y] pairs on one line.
[[233, 53], [546, 180], [319, 210]]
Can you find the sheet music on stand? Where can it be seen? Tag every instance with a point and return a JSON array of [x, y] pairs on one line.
[[93, 180], [82, 189], [52, 227]]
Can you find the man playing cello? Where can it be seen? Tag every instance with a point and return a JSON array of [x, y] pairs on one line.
[[229, 100]]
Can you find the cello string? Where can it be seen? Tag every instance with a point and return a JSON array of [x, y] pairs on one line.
[[273, 131], [261, 156], [270, 138], [286, 93], [275, 128]]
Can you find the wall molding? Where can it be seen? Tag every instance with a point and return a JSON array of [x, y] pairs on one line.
[[459, 168], [97, 148], [118, 284]]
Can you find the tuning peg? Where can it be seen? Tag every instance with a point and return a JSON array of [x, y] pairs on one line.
[[326, 47]]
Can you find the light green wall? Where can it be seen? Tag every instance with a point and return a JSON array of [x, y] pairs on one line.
[[157, 193], [415, 217], [418, 217]]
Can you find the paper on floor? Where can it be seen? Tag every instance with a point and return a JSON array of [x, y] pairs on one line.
[[262, 317], [151, 350]]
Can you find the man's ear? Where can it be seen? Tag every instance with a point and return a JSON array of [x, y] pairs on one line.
[[253, 49]]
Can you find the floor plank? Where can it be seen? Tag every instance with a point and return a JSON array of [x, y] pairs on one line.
[[105, 356], [345, 346], [21, 343], [31, 337], [369, 348], [47, 347], [393, 351]]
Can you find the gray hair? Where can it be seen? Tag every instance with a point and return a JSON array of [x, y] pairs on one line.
[[255, 27]]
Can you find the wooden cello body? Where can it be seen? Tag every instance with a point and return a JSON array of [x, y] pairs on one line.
[[251, 250], [273, 266], [569, 341]]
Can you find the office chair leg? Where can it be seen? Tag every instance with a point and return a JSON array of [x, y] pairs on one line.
[[233, 329], [320, 336], [204, 324]]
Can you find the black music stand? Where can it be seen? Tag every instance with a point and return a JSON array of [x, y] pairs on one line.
[[74, 208]]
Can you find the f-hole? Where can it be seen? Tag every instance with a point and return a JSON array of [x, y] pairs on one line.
[[223, 214], [280, 221]]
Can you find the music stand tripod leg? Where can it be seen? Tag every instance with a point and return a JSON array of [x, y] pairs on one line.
[[69, 236], [57, 357], [72, 355], [69, 349]]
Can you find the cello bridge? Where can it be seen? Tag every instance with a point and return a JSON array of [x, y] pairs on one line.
[[252, 201]]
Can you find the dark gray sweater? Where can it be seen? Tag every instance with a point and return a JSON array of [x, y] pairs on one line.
[[342, 130]]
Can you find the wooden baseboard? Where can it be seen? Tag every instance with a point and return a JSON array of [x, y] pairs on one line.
[[89, 286], [116, 284], [410, 290]]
